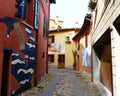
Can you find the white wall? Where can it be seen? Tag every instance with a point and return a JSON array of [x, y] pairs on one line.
[[96, 67]]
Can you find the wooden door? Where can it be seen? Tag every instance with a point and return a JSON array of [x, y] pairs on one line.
[[61, 61]]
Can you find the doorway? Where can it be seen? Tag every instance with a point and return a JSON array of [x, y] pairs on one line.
[[61, 61], [103, 52], [5, 72]]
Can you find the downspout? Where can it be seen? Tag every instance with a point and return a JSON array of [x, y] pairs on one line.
[[47, 40], [36, 50], [36, 59]]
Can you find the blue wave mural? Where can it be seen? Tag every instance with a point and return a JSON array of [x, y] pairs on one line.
[[22, 70]]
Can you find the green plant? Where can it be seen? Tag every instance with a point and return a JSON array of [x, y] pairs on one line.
[[74, 56]]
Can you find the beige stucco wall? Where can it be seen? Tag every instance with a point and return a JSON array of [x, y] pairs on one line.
[[104, 21], [59, 37]]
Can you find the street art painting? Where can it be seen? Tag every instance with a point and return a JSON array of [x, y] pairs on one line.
[[86, 57], [12, 23], [9, 21], [22, 69], [21, 5]]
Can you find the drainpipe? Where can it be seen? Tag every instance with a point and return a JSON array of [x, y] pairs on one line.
[[47, 40], [36, 59]]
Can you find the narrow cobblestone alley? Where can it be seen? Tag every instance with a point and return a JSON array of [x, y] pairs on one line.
[[64, 82]]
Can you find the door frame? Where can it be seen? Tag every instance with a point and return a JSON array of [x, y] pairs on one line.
[[7, 56]]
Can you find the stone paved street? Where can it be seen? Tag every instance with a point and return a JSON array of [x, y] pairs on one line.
[[64, 82], [64, 86]]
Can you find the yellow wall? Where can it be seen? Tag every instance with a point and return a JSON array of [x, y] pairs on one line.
[[59, 37]]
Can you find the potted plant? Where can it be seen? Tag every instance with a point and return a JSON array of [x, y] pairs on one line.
[[67, 40], [74, 56]]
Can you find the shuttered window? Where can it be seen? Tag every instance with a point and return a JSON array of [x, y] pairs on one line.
[[45, 28], [46, 2], [36, 22]]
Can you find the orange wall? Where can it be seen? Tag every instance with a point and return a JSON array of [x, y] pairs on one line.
[[82, 40]]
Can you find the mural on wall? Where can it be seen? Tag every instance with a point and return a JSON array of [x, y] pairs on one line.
[[21, 5], [12, 23], [9, 21], [22, 69], [86, 57]]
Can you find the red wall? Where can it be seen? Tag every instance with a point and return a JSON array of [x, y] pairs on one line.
[[42, 41], [9, 10]]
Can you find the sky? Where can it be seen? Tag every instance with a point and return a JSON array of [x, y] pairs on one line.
[[70, 11]]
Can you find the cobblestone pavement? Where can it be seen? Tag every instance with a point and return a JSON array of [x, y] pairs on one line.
[[89, 87], [64, 84]]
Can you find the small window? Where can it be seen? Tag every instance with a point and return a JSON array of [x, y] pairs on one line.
[[43, 55], [51, 39], [50, 58], [46, 2], [36, 16]]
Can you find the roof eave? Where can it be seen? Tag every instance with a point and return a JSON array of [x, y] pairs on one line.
[[86, 23]]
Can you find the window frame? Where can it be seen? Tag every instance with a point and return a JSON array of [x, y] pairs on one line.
[[36, 14], [47, 2], [45, 27]]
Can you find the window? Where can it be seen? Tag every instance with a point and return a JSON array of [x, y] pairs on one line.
[[50, 58], [36, 16], [46, 2], [51, 39], [45, 27]]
